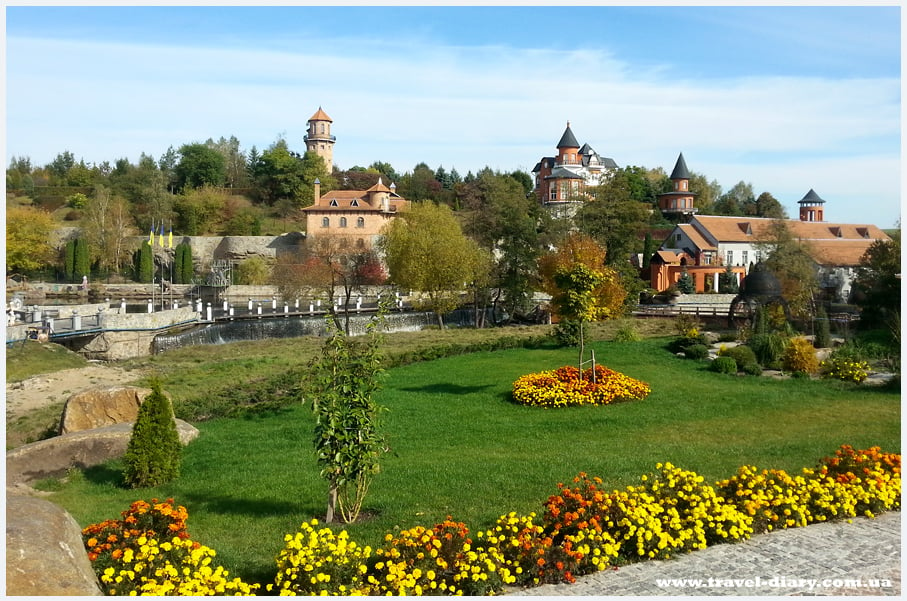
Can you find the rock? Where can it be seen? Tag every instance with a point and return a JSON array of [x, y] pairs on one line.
[[100, 407], [44, 551], [53, 457]]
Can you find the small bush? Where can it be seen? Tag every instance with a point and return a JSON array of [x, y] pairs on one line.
[[72, 215], [727, 337], [696, 351], [154, 452], [842, 368], [769, 347], [823, 330], [800, 357], [752, 369], [682, 343], [566, 332], [627, 332], [724, 365], [742, 354]]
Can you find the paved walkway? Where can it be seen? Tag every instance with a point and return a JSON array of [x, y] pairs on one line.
[[857, 559]]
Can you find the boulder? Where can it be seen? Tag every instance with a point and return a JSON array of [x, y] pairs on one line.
[[100, 407], [53, 457], [44, 551]]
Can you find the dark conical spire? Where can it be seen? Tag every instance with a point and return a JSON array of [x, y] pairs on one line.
[[680, 169], [811, 198], [568, 140]]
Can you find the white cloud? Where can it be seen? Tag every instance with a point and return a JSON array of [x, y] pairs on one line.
[[406, 102]]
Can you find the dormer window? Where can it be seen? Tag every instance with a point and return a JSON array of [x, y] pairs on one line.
[[863, 232], [334, 202], [355, 202], [836, 231]]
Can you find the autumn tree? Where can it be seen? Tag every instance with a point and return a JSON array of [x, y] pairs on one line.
[[426, 251], [107, 225], [28, 240]]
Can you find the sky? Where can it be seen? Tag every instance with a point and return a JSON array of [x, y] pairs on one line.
[[786, 98]]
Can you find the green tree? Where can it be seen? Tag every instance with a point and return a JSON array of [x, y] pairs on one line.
[[347, 437], [254, 271], [107, 224], [766, 206], [420, 185], [199, 211], [60, 166], [199, 166], [143, 262], [727, 282], [386, 170], [615, 218], [685, 283], [183, 270], [707, 192], [154, 452], [426, 251], [575, 298], [790, 260], [877, 285], [28, 246], [735, 201]]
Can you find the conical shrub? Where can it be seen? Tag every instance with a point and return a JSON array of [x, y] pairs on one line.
[[154, 452]]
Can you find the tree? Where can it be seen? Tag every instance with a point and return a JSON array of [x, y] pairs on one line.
[[386, 170], [199, 211], [182, 264], [199, 166], [706, 192], [420, 185], [154, 452], [61, 165], [766, 206], [347, 437], [727, 282], [685, 283], [582, 288], [254, 271], [735, 201], [143, 263], [28, 246], [108, 225], [789, 259], [877, 285], [426, 251], [615, 218], [504, 221]]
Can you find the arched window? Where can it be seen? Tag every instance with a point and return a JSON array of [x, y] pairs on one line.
[[360, 243], [325, 222], [360, 222], [343, 222]]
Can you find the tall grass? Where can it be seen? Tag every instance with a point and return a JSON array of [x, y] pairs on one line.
[[459, 446]]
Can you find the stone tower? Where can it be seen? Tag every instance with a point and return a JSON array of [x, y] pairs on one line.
[[319, 139]]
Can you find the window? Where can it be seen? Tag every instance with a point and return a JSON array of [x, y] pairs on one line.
[[676, 238], [683, 184], [322, 128], [354, 202], [745, 254], [730, 257], [334, 202], [706, 258], [360, 222], [360, 243], [343, 222], [552, 194], [325, 222]]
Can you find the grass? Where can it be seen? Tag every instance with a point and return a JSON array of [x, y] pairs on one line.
[[33, 358], [458, 446]]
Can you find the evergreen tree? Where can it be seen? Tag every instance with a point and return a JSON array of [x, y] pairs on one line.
[[183, 271], [823, 330], [69, 260], [685, 284], [144, 264], [727, 282], [81, 261], [154, 452]]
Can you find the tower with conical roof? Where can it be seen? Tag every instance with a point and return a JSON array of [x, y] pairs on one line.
[[319, 139], [811, 208], [680, 200], [567, 177]]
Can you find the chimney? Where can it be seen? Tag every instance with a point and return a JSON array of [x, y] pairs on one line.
[[317, 191]]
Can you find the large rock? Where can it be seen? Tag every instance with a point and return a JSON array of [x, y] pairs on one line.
[[53, 457], [100, 407], [44, 551]]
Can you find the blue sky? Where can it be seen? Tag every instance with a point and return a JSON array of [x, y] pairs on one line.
[[785, 98]]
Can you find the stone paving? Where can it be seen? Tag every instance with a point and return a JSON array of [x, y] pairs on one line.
[[862, 558]]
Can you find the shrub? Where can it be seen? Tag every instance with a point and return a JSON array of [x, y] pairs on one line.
[[769, 347], [563, 387], [566, 332], [153, 454], [842, 368], [742, 354], [696, 351], [724, 365], [752, 369], [823, 330], [627, 332], [800, 357], [682, 343]]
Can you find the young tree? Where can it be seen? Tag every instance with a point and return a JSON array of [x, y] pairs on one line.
[[575, 298], [108, 225], [348, 441], [727, 282], [184, 266], [426, 251], [143, 263], [788, 258], [28, 246], [154, 452], [685, 284]]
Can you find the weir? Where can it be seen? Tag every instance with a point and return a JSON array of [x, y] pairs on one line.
[[222, 332]]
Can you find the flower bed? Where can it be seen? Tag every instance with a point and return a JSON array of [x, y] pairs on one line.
[[584, 529], [563, 387]]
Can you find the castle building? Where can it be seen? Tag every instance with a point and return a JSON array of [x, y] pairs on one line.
[[566, 178], [319, 139], [355, 217], [679, 201]]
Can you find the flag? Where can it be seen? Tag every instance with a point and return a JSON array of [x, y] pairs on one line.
[[161, 238], [151, 235], [170, 238]]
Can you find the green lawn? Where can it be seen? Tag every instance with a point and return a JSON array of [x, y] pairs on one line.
[[458, 446]]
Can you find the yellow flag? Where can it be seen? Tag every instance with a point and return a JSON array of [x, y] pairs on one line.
[[170, 239], [160, 240], [151, 236]]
